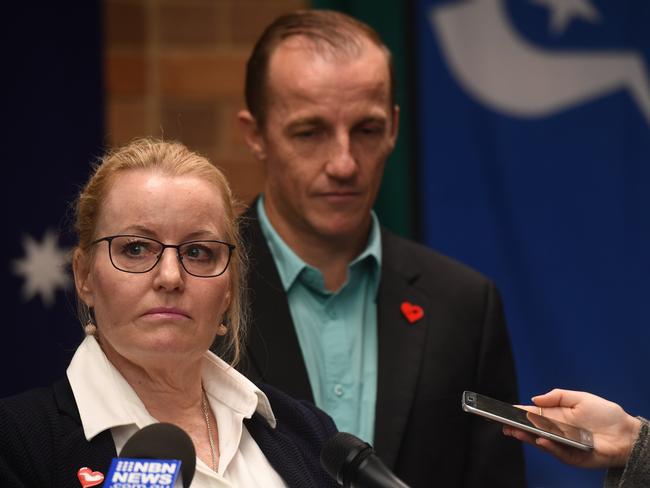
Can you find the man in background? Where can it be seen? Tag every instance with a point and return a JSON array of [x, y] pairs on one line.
[[380, 332]]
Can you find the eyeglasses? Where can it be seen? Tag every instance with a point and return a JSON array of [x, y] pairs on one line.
[[137, 254]]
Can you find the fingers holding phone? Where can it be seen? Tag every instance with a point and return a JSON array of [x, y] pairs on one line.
[[566, 454], [527, 420], [614, 431]]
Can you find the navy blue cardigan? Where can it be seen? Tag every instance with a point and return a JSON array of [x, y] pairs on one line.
[[42, 443]]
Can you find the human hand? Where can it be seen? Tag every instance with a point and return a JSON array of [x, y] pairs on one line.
[[614, 431]]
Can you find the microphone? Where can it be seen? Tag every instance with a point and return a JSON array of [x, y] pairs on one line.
[[354, 464], [156, 445]]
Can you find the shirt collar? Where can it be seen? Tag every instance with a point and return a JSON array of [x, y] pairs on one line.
[[106, 400], [290, 265], [228, 386]]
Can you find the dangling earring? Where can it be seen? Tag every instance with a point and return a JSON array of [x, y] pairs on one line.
[[90, 328]]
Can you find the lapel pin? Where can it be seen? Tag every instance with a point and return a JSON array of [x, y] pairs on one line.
[[411, 312], [88, 477]]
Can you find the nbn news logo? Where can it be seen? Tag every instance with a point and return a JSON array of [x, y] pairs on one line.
[[143, 473]]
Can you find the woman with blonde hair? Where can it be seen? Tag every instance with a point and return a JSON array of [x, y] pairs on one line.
[[158, 273]]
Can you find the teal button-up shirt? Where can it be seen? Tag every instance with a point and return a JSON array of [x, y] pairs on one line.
[[337, 331]]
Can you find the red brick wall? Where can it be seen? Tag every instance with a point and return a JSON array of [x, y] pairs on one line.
[[175, 69]]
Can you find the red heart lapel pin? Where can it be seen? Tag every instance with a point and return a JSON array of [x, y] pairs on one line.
[[411, 312], [87, 477]]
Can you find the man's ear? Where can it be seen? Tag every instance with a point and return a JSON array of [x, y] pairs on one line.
[[82, 281], [252, 134], [394, 126]]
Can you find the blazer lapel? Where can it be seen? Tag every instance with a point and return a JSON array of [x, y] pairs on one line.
[[274, 354], [72, 450], [401, 346]]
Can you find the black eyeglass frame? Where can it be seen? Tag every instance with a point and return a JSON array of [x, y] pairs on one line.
[[109, 239]]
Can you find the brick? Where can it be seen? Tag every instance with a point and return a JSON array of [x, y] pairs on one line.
[[194, 124], [252, 16], [199, 76], [246, 177], [191, 22], [126, 74], [125, 23], [125, 121]]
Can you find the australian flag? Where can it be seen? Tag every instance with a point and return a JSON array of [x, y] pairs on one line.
[[52, 117], [535, 144]]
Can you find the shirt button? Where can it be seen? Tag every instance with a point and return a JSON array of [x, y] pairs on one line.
[[338, 390]]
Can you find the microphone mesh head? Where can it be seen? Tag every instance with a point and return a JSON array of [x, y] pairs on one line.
[[163, 441], [341, 453]]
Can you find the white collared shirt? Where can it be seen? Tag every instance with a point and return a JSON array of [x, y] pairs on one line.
[[106, 401]]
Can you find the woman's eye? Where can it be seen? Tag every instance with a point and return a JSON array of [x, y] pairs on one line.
[[134, 249], [198, 252], [194, 252]]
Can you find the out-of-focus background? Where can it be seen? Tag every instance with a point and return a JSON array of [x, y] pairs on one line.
[[524, 151]]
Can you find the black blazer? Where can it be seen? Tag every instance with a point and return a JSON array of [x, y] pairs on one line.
[[461, 343], [42, 442]]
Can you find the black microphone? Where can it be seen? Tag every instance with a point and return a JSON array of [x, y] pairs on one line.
[[163, 441], [354, 464]]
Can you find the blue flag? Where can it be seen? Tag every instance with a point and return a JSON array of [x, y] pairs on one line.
[[535, 144], [52, 115]]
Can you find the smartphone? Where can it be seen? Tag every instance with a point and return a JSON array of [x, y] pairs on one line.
[[531, 422]]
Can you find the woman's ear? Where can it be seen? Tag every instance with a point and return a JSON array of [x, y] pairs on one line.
[[222, 330], [83, 283], [252, 134]]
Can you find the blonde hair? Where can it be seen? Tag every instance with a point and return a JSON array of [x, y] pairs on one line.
[[172, 159]]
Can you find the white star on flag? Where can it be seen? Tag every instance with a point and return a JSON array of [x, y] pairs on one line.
[[564, 11], [43, 268]]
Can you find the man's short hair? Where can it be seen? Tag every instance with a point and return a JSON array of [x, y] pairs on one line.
[[330, 32]]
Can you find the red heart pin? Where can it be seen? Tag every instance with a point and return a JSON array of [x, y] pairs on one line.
[[87, 477], [412, 312]]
